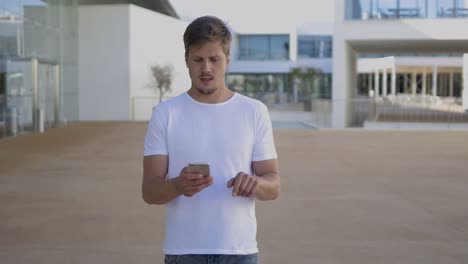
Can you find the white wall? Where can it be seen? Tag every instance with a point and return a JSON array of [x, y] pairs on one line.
[[315, 28], [104, 62], [268, 66], [239, 66], [154, 39], [465, 82], [410, 29], [279, 67], [411, 35], [262, 28], [323, 64]]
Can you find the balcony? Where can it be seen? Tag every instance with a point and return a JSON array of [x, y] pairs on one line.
[[409, 9]]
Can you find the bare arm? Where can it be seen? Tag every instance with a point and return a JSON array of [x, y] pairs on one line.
[[157, 190], [264, 184], [268, 177]]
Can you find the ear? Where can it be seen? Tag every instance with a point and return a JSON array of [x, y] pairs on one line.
[[228, 59]]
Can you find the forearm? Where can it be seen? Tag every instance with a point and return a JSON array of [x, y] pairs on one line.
[[268, 187], [159, 191]]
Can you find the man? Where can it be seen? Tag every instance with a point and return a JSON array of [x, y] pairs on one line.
[[210, 218]]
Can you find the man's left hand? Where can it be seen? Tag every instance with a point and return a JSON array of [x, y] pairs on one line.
[[243, 185]]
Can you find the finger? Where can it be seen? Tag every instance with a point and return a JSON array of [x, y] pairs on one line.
[[237, 183], [184, 170], [253, 190], [248, 188], [242, 188], [204, 180], [208, 184], [193, 176], [198, 188], [230, 183]]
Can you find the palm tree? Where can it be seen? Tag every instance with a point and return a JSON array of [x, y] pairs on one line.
[[306, 79]]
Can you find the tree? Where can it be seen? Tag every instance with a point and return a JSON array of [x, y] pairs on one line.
[[306, 78], [161, 80]]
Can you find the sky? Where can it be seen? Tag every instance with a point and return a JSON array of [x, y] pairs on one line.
[[293, 12]]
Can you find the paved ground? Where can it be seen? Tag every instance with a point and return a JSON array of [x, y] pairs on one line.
[[72, 195]]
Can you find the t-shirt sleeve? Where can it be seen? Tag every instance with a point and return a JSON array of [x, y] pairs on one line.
[[264, 147], [156, 135]]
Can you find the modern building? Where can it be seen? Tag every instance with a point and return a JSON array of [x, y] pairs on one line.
[[118, 45], [90, 60], [287, 68], [38, 64], [422, 45], [72, 60]]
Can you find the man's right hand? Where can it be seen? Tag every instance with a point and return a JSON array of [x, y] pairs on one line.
[[189, 184]]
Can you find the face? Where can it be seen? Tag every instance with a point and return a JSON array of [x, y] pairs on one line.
[[207, 65]]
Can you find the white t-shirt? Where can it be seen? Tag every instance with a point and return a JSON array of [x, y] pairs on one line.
[[229, 136]]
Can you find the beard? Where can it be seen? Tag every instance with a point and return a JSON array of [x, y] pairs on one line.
[[206, 90]]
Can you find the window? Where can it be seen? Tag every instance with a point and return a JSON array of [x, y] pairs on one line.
[[388, 9], [314, 46], [263, 47]]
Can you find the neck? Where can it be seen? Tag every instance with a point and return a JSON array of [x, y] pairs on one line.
[[221, 95]]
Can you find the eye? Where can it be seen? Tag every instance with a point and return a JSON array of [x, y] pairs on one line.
[[197, 59], [215, 59]]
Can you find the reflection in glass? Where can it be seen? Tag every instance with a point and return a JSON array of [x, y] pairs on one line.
[[310, 46], [405, 9], [279, 91], [279, 47], [258, 47], [452, 8], [46, 31], [263, 47]]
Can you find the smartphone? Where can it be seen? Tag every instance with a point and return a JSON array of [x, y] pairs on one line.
[[199, 167]]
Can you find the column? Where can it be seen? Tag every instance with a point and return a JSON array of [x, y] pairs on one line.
[[451, 84], [465, 82], [376, 84], [405, 83], [424, 81], [413, 83], [295, 89], [434, 80], [344, 80], [35, 90], [57, 95], [393, 82], [384, 82]]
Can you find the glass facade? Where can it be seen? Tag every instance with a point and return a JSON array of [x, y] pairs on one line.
[[311, 46], [263, 47], [38, 64], [405, 9], [282, 91]]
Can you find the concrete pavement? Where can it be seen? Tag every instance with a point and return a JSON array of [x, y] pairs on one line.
[[72, 195]]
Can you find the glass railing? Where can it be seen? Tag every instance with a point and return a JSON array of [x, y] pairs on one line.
[[45, 32], [403, 111], [405, 9]]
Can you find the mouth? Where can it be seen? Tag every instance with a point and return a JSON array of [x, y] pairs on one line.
[[206, 79]]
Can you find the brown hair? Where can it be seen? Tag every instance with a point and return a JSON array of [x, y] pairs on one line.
[[205, 29]]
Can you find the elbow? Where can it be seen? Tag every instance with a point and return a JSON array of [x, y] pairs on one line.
[[276, 193], [271, 195], [276, 189], [152, 201], [148, 198]]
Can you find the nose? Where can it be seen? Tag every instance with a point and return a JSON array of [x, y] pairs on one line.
[[206, 67]]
